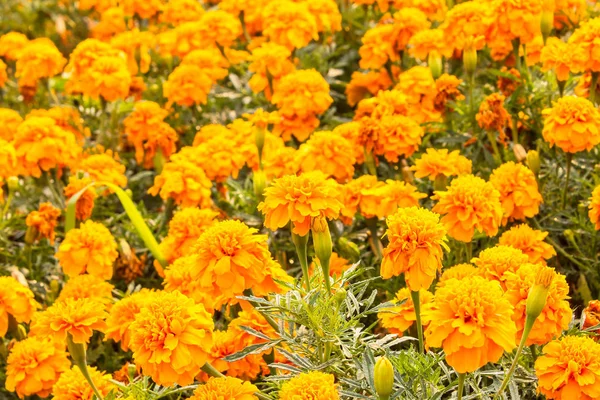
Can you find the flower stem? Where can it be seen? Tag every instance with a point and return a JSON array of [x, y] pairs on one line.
[[566, 188], [469, 251], [497, 155], [78, 355], [377, 247], [417, 304], [301, 243], [211, 371], [528, 325], [461, 385], [593, 84]]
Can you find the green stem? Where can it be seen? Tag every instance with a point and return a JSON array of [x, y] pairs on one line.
[[516, 43], [78, 355], [469, 251], [515, 130], [9, 199], [528, 325], [377, 247], [461, 385], [325, 268], [256, 306], [301, 243], [211, 371], [533, 352], [497, 155], [417, 304], [593, 84], [566, 188]]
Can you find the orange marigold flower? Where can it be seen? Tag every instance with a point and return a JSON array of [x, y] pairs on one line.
[[253, 13], [122, 314], [184, 181], [277, 279], [471, 320], [469, 204], [510, 81], [212, 62], [299, 199], [78, 318], [289, 24], [556, 314], [591, 314], [594, 207], [378, 47], [221, 156], [426, 42], [515, 19], [446, 91], [38, 59], [186, 226], [352, 132], [88, 287], [440, 162], [90, 248], [42, 145], [572, 124], [407, 21], [327, 15], [386, 102], [34, 365], [135, 46], [463, 22], [459, 271], [226, 387], [107, 77], [12, 44], [563, 58], [518, 189], [104, 167], [72, 385], [569, 369], [300, 95], [187, 85], [279, 162], [397, 136], [329, 153], [363, 83], [416, 240], [85, 203], [176, 12], [170, 337], [43, 221], [112, 22], [17, 301], [492, 115], [3, 74], [494, 263], [85, 54], [434, 9], [310, 385], [262, 119], [398, 318], [218, 28], [419, 87], [143, 8], [385, 198], [352, 193], [530, 241], [585, 37], [9, 122], [68, 118], [8, 160]]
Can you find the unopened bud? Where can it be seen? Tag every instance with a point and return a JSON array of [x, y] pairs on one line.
[[77, 351], [470, 60], [536, 300], [259, 183], [260, 141], [21, 332], [159, 161], [520, 153], [407, 174], [340, 296], [384, 378], [322, 242], [440, 183], [131, 371], [569, 234], [547, 23], [582, 210], [31, 235], [348, 249], [54, 288], [533, 161], [435, 64], [13, 183]]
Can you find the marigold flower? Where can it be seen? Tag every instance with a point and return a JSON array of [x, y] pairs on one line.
[[170, 337], [459, 271], [569, 369], [253, 13], [378, 47], [85, 203], [187, 85], [88, 287], [82, 58], [17, 301], [176, 12], [226, 387], [518, 191], [530, 242], [397, 136], [184, 181], [572, 124], [419, 87], [122, 314], [469, 204], [107, 77], [186, 226], [515, 19], [91, 248], [279, 162], [143, 8], [135, 47], [3, 74], [104, 167], [584, 37], [494, 263], [68, 118], [12, 44], [225, 343], [41, 145], [44, 221], [8, 159], [72, 385], [440, 162], [591, 314], [430, 41], [9, 122], [352, 193], [398, 318], [222, 156], [329, 153], [594, 208], [555, 315], [299, 199], [493, 116], [34, 365], [446, 91], [415, 248], [310, 385], [363, 83], [435, 10], [289, 24], [471, 320], [38, 59], [78, 318], [219, 28], [385, 198], [563, 58], [112, 22]]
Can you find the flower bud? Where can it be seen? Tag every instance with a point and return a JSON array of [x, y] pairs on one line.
[[470, 60], [435, 64], [533, 161], [322, 242], [520, 153], [77, 351], [31, 235], [13, 183], [159, 161], [21, 333], [54, 288], [384, 378], [131, 371], [340, 296], [407, 174], [348, 249], [259, 183], [547, 23], [570, 235], [440, 183], [260, 141], [536, 300]]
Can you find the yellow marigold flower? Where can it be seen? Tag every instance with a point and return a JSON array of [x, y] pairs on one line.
[[310, 385], [8, 160], [515, 19], [440, 162], [493, 116], [469, 204], [85, 203], [471, 320], [34, 365], [289, 24], [78, 318], [81, 60], [73, 386], [398, 318], [329, 153], [494, 263], [90, 248], [563, 58], [176, 12], [518, 189], [184, 181], [352, 132], [378, 47], [299, 95], [187, 85], [143, 8], [572, 124], [569, 369], [299, 199], [9, 122], [122, 314], [221, 157], [327, 15], [279, 162], [591, 314], [88, 287], [530, 242], [185, 228], [362, 83], [12, 44], [38, 59], [104, 167], [352, 193], [556, 314], [107, 77], [212, 62], [112, 22], [170, 338], [446, 90], [594, 207], [416, 240], [226, 387], [384, 199], [430, 41], [44, 221], [218, 27], [41, 145], [584, 37], [17, 301], [459, 271], [262, 119], [68, 118]]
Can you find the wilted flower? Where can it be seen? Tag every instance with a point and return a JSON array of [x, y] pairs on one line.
[[493, 116], [310, 385], [398, 318], [446, 90], [572, 124], [530, 241]]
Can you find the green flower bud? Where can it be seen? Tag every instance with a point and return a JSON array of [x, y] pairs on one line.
[[259, 183], [13, 183], [470, 60], [533, 161], [384, 378], [547, 23], [322, 242], [435, 64], [348, 249], [536, 300]]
